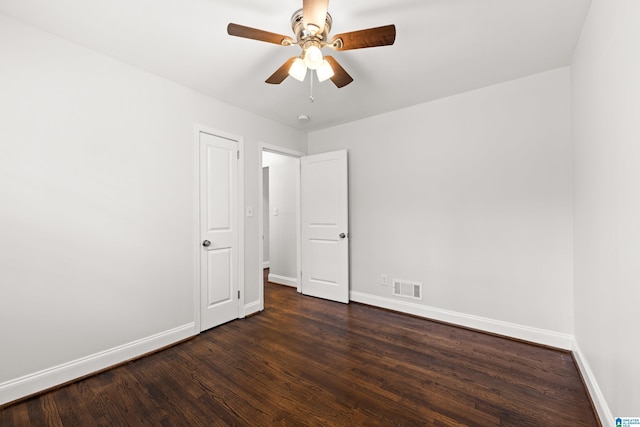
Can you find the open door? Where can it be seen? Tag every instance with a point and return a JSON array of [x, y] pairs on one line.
[[324, 226]]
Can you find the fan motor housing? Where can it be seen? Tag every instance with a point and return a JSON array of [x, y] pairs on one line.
[[297, 25]]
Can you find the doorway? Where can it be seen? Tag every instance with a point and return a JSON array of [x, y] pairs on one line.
[[279, 220], [321, 224]]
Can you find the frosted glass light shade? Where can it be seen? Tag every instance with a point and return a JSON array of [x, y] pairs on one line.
[[313, 57], [298, 69], [324, 71]]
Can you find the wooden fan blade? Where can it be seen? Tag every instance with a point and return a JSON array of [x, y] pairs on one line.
[[372, 37], [340, 77], [281, 73], [260, 35], [314, 12]]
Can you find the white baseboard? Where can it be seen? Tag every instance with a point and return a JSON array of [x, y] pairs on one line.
[[283, 280], [266, 264], [604, 413], [29, 384], [251, 308], [526, 333]]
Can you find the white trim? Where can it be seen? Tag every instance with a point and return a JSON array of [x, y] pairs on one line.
[[262, 147], [279, 150], [527, 333], [196, 230], [29, 384], [251, 308], [260, 232], [241, 219], [283, 280], [299, 225], [604, 413], [266, 264]]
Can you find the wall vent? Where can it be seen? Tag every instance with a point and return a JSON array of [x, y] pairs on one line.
[[407, 289]]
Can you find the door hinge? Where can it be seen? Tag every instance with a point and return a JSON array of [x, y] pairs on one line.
[[238, 154], [238, 294]]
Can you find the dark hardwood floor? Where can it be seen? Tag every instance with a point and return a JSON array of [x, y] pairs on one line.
[[310, 362]]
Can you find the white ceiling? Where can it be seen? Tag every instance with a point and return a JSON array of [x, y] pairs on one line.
[[443, 47]]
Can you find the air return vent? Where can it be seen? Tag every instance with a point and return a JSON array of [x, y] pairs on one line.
[[407, 289]]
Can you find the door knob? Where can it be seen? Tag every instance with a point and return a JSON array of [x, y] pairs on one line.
[[206, 243], [342, 235]]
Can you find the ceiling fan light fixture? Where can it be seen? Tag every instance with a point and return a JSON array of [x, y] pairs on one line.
[[298, 69], [324, 71], [313, 57]]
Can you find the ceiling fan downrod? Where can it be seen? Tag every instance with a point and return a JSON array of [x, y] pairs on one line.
[[311, 98]]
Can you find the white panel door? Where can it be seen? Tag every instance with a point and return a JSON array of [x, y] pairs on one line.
[[219, 301], [324, 222]]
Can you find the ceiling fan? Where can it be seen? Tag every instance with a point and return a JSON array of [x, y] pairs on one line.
[[311, 26]]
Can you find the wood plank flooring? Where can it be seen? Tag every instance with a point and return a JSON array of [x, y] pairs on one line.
[[310, 362]]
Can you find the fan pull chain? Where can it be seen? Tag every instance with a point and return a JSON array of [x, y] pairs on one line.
[[311, 98]]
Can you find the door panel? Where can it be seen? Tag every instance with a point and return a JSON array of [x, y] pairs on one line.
[[325, 243], [323, 256], [219, 193], [218, 231], [322, 183], [219, 264]]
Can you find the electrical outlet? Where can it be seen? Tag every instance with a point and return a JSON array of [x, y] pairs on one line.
[[383, 280]]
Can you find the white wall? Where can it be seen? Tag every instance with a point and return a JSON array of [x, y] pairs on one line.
[[606, 124], [283, 238], [97, 206], [470, 195]]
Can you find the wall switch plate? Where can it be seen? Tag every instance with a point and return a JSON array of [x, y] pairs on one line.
[[383, 280], [275, 211], [249, 211]]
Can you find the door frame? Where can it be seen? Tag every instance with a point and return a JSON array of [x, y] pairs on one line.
[[288, 153], [239, 211]]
